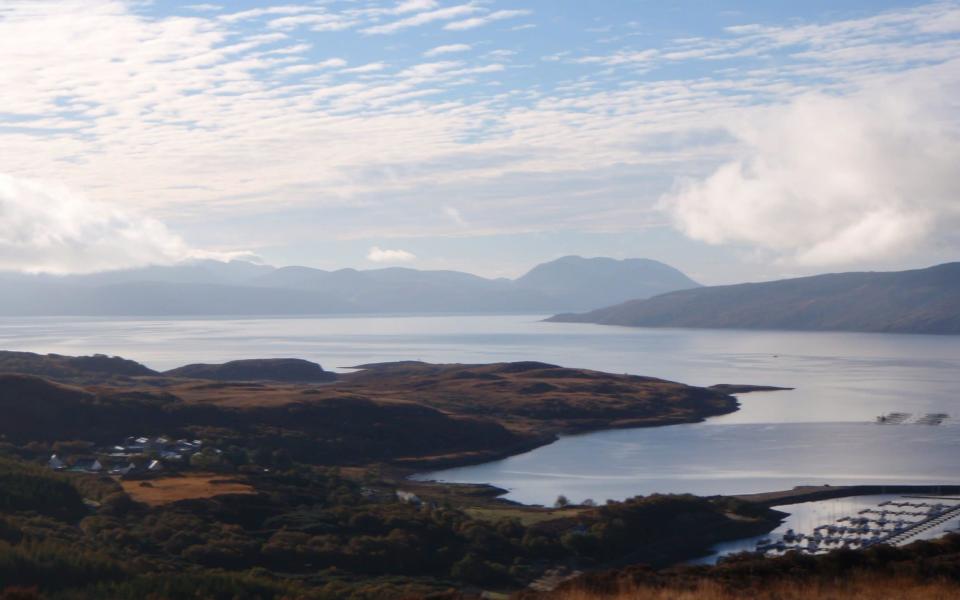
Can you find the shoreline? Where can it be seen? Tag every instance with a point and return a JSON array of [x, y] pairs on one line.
[[803, 494], [404, 470]]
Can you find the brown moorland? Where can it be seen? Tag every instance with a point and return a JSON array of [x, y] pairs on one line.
[[409, 413], [165, 490]]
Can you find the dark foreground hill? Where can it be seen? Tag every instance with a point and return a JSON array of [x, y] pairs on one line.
[[71, 368], [263, 369], [300, 490], [100, 368], [335, 430], [918, 301], [404, 413], [923, 570]]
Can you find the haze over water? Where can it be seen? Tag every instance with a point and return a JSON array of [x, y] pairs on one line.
[[822, 432]]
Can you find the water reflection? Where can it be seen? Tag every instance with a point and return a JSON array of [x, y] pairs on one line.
[[708, 459]]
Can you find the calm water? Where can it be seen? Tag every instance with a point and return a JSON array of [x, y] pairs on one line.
[[822, 432]]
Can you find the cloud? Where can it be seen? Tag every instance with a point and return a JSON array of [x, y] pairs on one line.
[[447, 49], [256, 13], [205, 7], [482, 20], [194, 121], [829, 180], [367, 68], [379, 255], [48, 228], [315, 22], [620, 58], [415, 6], [441, 14], [455, 215]]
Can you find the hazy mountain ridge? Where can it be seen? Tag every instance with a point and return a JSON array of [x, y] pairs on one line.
[[241, 288], [916, 301]]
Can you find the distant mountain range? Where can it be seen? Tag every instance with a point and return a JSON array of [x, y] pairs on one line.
[[917, 301], [241, 288]]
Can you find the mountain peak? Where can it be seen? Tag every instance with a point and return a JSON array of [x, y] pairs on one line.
[[593, 281]]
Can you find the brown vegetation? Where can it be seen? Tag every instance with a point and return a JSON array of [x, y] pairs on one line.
[[863, 587], [411, 414], [923, 570], [156, 492], [532, 396]]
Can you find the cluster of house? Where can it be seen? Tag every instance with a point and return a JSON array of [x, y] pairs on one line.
[[134, 456]]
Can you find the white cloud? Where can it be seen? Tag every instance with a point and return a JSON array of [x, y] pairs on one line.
[[482, 20], [441, 14], [330, 63], [447, 49], [315, 22], [367, 68], [415, 6], [621, 58], [48, 228], [838, 179], [191, 120], [454, 215], [205, 7], [380, 255], [256, 13]]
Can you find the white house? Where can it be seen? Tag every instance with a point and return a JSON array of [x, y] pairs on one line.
[[56, 464], [87, 466], [408, 497]]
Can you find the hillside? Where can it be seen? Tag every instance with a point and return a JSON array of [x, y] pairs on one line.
[[71, 368], [539, 397], [598, 282], [337, 430], [917, 301], [264, 369], [923, 570], [301, 490], [240, 288], [402, 412]]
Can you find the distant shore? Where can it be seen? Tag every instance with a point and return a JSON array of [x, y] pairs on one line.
[[814, 493]]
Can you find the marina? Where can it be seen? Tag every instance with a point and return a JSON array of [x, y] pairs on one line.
[[894, 522], [816, 523]]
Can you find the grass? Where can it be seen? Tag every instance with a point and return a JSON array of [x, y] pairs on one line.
[[526, 516], [156, 492], [858, 588]]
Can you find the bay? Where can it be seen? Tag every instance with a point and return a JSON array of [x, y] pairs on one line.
[[821, 432]]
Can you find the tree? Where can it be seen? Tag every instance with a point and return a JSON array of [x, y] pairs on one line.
[[561, 502]]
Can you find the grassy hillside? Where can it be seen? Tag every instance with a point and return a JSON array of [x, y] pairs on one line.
[[95, 369], [928, 570], [920, 301], [404, 413], [335, 430], [263, 369], [533, 396], [312, 533]]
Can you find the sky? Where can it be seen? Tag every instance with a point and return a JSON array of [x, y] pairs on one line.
[[737, 141]]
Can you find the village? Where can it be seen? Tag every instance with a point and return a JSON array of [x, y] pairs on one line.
[[134, 457]]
